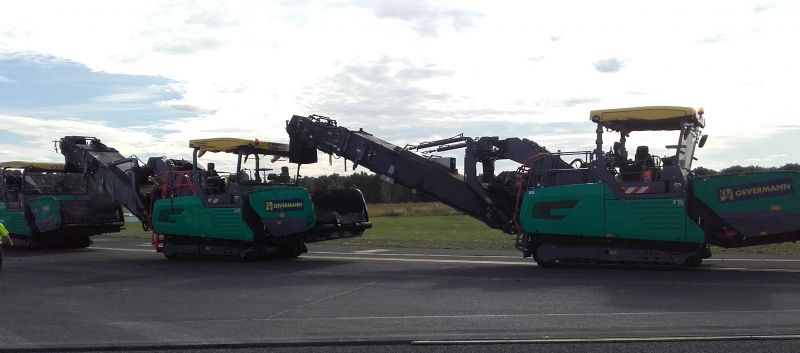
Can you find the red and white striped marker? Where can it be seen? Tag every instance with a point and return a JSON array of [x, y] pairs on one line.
[[635, 189]]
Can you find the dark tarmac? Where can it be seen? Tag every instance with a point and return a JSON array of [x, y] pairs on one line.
[[120, 295]]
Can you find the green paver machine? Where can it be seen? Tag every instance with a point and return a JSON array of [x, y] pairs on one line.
[[192, 211], [649, 208], [603, 206], [42, 205]]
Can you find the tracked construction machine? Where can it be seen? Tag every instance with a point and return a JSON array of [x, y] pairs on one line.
[[194, 211], [602, 207], [42, 205]]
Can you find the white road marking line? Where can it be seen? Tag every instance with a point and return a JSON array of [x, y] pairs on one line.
[[539, 315], [372, 251], [365, 258], [610, 339], [518, 257], [519, 263], [417, 254], [494, 316], [384, 252], [477, 262], [745, 269], [419, 260], [121, 249], [753, 260]]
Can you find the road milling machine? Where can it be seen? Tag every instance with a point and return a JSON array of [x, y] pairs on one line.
[[43, 205], [194, 211], [602, 206]]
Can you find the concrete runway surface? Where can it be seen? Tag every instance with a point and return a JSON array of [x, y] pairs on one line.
[[120, 295]]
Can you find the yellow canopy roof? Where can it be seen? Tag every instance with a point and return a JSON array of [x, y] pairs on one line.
[[32, 165], [646, 118], [233, 145]]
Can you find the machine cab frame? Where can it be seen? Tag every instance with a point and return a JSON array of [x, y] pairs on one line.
[[663, 174], [244, 150], [37, 178]]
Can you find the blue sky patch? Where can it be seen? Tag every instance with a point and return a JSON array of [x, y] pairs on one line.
[[53, 88]]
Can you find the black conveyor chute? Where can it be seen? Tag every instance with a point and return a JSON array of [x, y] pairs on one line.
[[401, 166], [106, 169]]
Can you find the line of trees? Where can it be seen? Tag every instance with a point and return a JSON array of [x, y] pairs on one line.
[[376, 190], [700, 171]]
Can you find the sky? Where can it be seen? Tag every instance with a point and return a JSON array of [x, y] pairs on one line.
[[147, 76]]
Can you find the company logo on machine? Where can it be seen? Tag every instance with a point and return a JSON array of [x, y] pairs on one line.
[[283, 205], [726, 194], [756, 190]]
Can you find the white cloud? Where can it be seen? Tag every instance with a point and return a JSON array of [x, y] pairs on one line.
[[174, 104], [608, 65], [146, 94], [38, 135], [4, 79], [187, 46], [425, 17]]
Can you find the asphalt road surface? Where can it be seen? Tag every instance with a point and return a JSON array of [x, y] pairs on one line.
[[120, 294]]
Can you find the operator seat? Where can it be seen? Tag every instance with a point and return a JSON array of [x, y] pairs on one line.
[[651, 171], [642, 161], [643, 157]]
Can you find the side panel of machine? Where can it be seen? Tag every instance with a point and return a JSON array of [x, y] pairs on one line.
[[575, 209], [650, 219], [590, 210], [187, 216], [14, 221], [283, 210], [59, 215], [754, 204]]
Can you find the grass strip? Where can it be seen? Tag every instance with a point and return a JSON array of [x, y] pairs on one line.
[[434, 232]]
